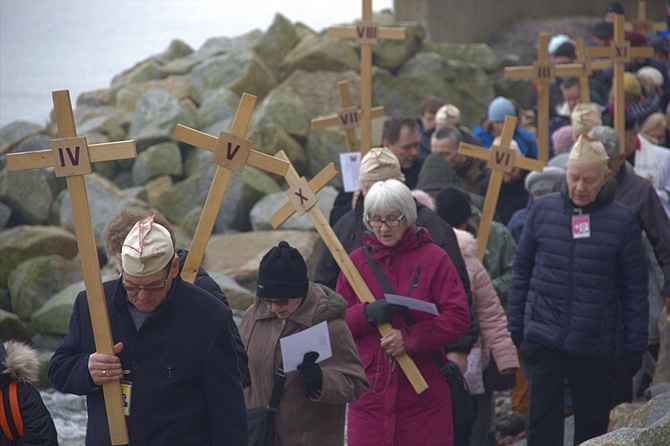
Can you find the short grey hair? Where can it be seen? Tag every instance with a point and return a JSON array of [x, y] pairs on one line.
[[386, 197], [609, 139], [450, 132]]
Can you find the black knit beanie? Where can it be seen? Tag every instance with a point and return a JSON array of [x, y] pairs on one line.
[[282, 274], [453, 206]]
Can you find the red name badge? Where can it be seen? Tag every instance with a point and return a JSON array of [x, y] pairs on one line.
[[581, 226]]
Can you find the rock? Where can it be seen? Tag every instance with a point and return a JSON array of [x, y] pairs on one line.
[[13, 133], [21, 243], [278, 40], [262, 211], [286, 111], [161, 159], [316, 53], [104, 120], [272, 138], [105, 199], [33, 142], [177, 201], [250, 247], [325, 147], [11, 327], [53, 317], [392, 54], [240, 71], [217, 111], [5, 215], [519, 89], [28, 194], [239, 298], [177, 49], [146, 70], [129, 95], [32, 282], [662, 371], [95, 98], [479, 54], [156, 116], [255, 184]]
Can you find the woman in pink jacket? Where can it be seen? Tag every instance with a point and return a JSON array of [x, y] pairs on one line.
[[391, 412]]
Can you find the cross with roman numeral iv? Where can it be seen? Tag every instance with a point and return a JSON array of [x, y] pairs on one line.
[[366, 33], [71, 157], [501, 159], [302, 197], [231, 152]]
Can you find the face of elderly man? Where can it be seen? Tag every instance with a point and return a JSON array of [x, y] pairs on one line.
[[585, 179]]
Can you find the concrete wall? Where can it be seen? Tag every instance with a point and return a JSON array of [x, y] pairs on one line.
[[467, 21]]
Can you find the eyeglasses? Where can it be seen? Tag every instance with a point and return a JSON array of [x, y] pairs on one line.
[[149, 289], [390, 222], [277, 302]]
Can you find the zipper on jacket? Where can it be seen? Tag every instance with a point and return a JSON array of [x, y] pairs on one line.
[[415, 281], [568, 307]]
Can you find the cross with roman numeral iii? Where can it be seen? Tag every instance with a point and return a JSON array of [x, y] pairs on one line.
[[231, 152], [71, 157], [501, 159]]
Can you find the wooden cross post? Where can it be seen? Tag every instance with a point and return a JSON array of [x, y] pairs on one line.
[[71, 157], [619, 53], [543, 72], [501, 159], [231, 152], [588, 67], [642, 23], [348, 118], [303, 199], [366, 33]]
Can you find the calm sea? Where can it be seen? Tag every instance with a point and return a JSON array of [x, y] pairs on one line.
[[79, 45]]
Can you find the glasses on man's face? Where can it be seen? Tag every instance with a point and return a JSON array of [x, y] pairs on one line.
[[389, 222], [149, 289], [277, 302]]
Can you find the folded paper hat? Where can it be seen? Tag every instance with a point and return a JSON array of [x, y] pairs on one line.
[[379, 164], [147, 248], [583, 118], [448, 115], [591, 150]]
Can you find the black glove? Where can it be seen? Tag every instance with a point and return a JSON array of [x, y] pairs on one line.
[[628, 363], [380, 311], [517, 337], [312, 377]]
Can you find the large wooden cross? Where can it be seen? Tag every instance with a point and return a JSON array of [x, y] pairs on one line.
[[366, 33], [588, 67], [348, 117], [501, 159], [71, 157], [619, 53], [642, 23], [303, 199], [543, 72], [231, 152]]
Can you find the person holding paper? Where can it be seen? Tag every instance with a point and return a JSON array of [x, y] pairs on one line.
[[392, 413], [313, 402]]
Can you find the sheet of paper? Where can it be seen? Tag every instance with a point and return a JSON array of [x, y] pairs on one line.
[[314, 339], [412, 304], [350, 165]]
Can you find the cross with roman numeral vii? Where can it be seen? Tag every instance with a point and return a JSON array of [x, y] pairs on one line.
[[231, 152], [71, 157]]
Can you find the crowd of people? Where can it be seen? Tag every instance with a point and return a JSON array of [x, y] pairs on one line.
[[560, 310]]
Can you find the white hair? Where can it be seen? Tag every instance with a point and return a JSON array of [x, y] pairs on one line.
[[387, 197]]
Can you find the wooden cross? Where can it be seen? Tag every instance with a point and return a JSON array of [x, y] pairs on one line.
[[619, 53], [348, 118], [543, 72], [71, 157], [588, 67], [231, 152], [366, 33], [303, 198], [501, 159], [642, 23]]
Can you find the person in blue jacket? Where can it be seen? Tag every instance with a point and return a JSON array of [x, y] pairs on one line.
[[174, 353], [579, 269]]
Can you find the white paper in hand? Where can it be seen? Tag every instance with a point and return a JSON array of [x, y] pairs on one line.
[[314, 339], [412, 304], [350, 164]]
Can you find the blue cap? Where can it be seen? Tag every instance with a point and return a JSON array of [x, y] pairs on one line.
[[499, 108]]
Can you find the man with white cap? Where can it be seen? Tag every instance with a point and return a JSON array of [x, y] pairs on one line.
[[174, 353], [579, 267]]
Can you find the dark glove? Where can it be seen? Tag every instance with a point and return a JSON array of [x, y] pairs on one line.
[[380, 311], [628, 363], [312, 377], [517, 337]]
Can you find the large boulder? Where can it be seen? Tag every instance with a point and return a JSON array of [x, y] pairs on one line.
[[324, 147], [146, 70], [240, 71], [262, 211], [217, 111], [316, 53], [32, 282], [161, 159], [103, 120], [13, 133], [480, 54], [21, 243], [272, 138], [392, 54], [156, 117], [28, 193], [176, 202], [278, 40], [129, 95], [5, 215], [105, 199], [250, 247], [54, 316], [255, 185], [12, 327], [239, 298], [285, 110], [662, 371]]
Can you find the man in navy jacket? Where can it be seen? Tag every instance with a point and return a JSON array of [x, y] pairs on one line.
[[579, 267], [175, 353]]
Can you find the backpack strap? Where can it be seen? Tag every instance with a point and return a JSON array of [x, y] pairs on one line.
[[10, 412]]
